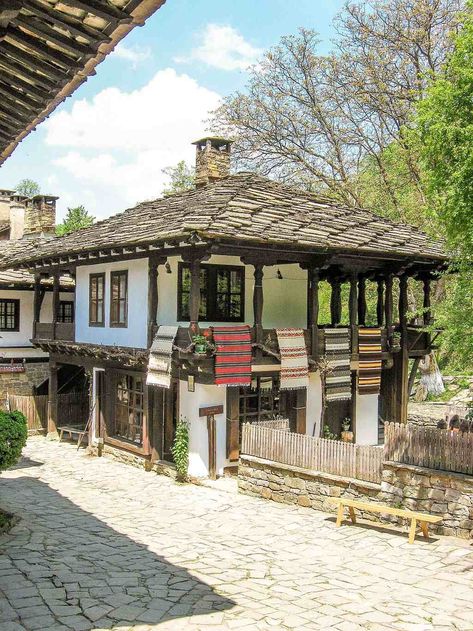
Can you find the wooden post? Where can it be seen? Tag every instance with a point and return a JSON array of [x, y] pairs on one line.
[[353, 314], [37, 301], [380, 303], [212, 433], [300, 411], [194, 299], [335, 302], [52, 400], [233, 424], [426, 303], [401, 360], [362, 301], [153, 272], [56, 289], [388, 305], [313, 310], [258, 305]]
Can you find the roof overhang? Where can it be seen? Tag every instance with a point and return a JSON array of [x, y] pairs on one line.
[[48, 48]]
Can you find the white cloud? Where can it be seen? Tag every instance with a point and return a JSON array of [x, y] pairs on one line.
[[133, 54], [224, 47], [118, 142]]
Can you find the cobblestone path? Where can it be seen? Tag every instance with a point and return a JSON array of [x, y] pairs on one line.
[[101, 545]]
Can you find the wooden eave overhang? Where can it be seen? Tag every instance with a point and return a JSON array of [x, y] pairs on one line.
[[48, 48], [128, 357]]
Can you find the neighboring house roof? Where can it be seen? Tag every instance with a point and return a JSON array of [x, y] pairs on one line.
[[249, 208], [22, 279], [4, 226], [49, 48]]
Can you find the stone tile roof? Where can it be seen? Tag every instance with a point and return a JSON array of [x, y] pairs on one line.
[[250, 208], [11, 278]]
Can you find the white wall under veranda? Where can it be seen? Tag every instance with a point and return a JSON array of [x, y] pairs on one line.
[[22, 338], [367, 419], [285, 301], [189, 405], [314, 404], [135, 334]]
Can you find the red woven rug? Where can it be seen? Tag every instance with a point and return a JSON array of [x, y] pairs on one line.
[[233, 359]]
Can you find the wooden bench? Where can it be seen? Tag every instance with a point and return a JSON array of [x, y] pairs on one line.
[[423, 518], [73, 431]]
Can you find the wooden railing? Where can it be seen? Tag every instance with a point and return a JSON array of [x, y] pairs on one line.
[[73, 409], [48, 331], [429, 447], [317, 454]]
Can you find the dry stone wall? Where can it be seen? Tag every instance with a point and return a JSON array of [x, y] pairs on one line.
[[23, 383], [449, 495]]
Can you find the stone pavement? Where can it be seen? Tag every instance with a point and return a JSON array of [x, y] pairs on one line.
[[102, 545]]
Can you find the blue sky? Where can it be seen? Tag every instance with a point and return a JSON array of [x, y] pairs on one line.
[[106, 146]]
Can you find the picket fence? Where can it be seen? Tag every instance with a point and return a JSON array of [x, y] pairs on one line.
[[429, 447], [319, 454], [73, 409]]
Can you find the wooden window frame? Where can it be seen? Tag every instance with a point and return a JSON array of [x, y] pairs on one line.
[[92, 277], [16, 315], [212, 270], [60, 314], [121, 441], [113, 275]]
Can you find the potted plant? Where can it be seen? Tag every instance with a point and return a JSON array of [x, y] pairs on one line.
[[200, 344], [347, 434]]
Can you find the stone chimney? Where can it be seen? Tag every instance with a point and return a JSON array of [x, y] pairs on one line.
[[17, 215], [40, 216], [212, 160], [5, 197]]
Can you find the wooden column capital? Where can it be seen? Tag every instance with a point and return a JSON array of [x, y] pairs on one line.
[[153, 271], [313, 276]]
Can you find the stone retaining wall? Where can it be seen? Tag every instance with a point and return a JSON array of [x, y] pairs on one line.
[[447, 494]]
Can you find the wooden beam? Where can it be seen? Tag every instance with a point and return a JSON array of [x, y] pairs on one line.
[[54, 73], [380, 303], [52, 399], [353, 312], [194, 297], [56, 290], [104, 11], [33, 44], [233, 424], [335, 301], [362, 301], [388, 304], [29, 88], [153, 296], [258, 301], [48, 34], [426, 301], [313, 310]]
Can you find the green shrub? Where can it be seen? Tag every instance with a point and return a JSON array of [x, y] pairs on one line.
[[13, 434], [180, 448]]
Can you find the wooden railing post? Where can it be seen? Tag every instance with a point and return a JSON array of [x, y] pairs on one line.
[[380, 303], [335, 301], [52, 401], [56, 297], [362, 301], [258, 301]]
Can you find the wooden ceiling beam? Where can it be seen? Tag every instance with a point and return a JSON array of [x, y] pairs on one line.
[[9, 129], [20, 96], [66, 22], [13, 115], [53, 72], [29, 89], [11, 102], [16, 69], [49, 34], [106, 12], [46, 52], [9, 9]]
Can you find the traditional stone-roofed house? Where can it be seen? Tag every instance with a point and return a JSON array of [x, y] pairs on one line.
[[24, 367], [238, 250]]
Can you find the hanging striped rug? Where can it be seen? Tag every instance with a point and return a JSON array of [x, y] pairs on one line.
[[369, 371], [233, 358], [337, 352], [294, 360], [160, 357]]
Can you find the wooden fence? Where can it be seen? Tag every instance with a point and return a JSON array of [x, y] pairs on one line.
[[319, 454], [274, 423], [429, 447], [73, 409]]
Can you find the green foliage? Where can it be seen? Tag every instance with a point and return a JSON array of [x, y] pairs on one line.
[[328, 433], [181, 178], [445, 119], [75, 219], [13, 434], [180, 448], [27, 187]]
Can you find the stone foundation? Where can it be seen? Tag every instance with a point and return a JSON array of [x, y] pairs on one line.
[[23, 383], [439, 493], [135, 460]]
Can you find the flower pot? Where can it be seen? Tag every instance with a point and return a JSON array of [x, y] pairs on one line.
[[347, 437]]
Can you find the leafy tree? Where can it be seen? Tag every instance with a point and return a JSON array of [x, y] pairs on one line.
[[75, 219], [13, 434], [28, 187], [181, 178]]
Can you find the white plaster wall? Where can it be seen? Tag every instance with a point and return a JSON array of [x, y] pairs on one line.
[[367, 419], [135, 334], [314, 404], [285, 301], [189, 405]]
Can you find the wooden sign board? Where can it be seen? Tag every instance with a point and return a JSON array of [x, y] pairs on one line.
[[211, 410], [5, 368]]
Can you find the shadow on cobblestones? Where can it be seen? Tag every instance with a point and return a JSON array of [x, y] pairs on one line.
[[62, 568]]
